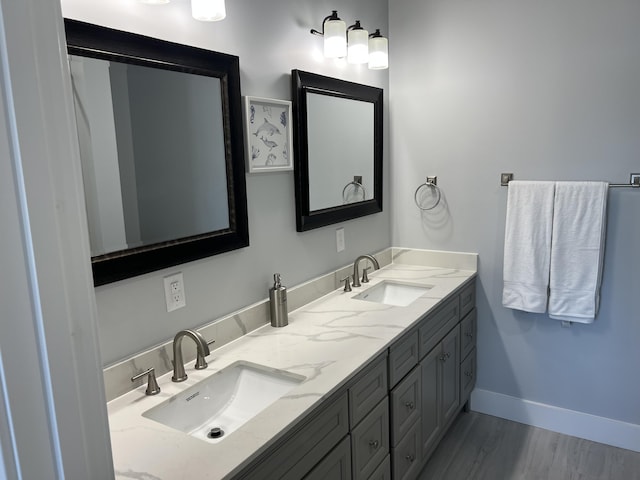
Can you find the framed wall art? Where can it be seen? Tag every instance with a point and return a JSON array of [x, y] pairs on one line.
[[269, 144]]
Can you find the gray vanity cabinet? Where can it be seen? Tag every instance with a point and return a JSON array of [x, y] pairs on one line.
[[386, 421]]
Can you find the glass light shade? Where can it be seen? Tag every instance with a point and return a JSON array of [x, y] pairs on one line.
[[357, 46], [378, 53], [208, 10], [335, 39], [154, 2]]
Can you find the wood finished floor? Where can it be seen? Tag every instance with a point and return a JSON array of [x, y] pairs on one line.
[[482, 447]]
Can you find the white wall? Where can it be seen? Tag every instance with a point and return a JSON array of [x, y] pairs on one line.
[[547, 90], [271, 38]]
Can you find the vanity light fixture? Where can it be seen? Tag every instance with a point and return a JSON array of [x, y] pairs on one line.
[[378, 51], [203, 10], [354, 42], [334, 31], [357, 44]]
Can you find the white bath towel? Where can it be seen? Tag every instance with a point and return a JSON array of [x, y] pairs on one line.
[[527, 245], [577, 250]]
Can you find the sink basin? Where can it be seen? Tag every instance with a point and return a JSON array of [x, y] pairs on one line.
[[393, 293], [226, 400]]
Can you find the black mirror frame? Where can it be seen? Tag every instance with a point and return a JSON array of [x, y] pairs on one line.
[[303, 83], [94, 41]]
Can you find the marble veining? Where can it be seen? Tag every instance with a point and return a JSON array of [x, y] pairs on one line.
[[327, 340]]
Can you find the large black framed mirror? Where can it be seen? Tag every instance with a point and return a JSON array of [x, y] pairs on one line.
[[162, 150], [338, 149]]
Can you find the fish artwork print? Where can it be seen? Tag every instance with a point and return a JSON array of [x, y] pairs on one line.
[[268, 128], [269, 143]]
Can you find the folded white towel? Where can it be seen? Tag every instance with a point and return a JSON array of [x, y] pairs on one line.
[[527, 245], [577, 252]]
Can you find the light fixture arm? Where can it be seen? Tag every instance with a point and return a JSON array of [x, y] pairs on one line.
[[333, 16], [357, 26]]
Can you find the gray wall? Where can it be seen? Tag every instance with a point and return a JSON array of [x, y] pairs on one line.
[[271, 38], [547, 90]]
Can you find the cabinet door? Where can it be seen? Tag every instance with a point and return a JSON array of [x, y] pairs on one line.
[[431, 421], [405, 405], [468, 329], [369, 388], [450, 365], [336, 465], [467, 376], [403, 356], [406, 460], [370, 441]]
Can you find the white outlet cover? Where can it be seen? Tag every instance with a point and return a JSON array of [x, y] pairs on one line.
[[174, 292]]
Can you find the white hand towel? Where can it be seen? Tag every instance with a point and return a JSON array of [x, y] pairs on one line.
[[527, 245], [577, 250]]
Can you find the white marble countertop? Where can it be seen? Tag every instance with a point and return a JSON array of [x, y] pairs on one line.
[[327, 341]]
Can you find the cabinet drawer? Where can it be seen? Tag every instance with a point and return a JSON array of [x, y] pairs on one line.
[[300, 451], [406, 462], [467, 299], [370, 441], [405, 405], [436, 325], [336, 465], [369, 388], [403, 356], [467, 376], [383, 472], [468, 330]]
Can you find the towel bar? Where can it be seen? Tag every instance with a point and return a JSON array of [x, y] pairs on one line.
[[634, 180]]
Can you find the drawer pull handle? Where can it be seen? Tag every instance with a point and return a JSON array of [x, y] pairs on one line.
[[469, 334], [445, 356], [469, 374], [374, 443], [410, 457], [410, 405]]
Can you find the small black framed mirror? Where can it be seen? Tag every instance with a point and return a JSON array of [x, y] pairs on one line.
[[338, 149], [161, 144]]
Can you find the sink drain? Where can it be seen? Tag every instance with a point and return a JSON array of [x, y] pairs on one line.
[[215, 432]]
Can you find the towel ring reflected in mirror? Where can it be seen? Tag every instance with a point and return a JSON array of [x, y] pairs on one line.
[[432, 192], [357, 186]]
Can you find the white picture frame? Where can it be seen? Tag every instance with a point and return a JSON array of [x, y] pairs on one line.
[[268, 139]]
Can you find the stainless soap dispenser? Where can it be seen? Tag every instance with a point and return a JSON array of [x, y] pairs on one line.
[[278, 303]]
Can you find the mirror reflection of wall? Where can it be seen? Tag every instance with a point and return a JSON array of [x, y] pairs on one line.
[[340, 142], [153, 155]]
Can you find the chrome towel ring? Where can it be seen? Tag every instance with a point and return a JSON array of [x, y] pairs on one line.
[[430, 183], [357, 183]]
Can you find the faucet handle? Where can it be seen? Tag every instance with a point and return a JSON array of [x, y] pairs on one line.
[[201, 363], [152, 383], [365, 277], [347, 284]]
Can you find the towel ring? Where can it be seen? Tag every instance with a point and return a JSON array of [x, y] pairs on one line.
[[431, 183], [357, 184]]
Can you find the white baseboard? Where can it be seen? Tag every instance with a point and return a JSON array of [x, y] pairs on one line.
[[568, 422]]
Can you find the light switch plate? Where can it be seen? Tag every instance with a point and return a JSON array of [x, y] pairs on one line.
[[174, 292]]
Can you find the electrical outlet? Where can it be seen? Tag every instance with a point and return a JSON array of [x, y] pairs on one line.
[[174, 292], [340, 245]]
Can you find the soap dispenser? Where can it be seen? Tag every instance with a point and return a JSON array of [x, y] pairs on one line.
[[278, 303]]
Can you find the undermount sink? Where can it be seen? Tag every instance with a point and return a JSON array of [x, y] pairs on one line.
[[393, 293], [224, 401]]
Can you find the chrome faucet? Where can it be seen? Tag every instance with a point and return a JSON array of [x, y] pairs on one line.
[[179, 374], [356, 273]]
